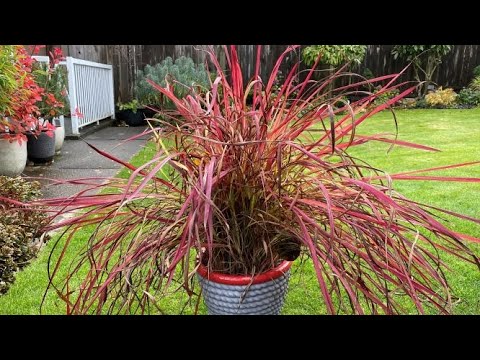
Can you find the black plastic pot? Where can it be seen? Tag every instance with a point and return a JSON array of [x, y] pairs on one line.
[[131, 118], [41, 149], [149, 113]]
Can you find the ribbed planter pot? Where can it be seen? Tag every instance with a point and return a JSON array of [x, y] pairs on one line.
[[41, 149], [263, 294], [13, 157]]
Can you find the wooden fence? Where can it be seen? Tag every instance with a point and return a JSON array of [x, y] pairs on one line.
[[455, 70]]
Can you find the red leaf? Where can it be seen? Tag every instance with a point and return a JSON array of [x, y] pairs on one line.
[[396, 142]]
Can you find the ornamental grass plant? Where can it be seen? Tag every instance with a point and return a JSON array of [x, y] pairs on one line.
[[240, 185]]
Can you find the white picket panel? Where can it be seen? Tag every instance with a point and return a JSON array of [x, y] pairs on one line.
[[90, 91], [42, 58]]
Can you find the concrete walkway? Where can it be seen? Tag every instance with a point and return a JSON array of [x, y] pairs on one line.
[[77, 160]]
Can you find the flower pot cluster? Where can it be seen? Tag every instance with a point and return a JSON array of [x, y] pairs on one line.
[[33, 101]]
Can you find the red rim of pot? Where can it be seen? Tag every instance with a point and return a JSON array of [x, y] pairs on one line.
[[227, 279]]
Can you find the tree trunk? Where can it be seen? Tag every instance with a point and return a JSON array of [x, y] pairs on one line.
[[429, 71], [416, 75], [330, 86]]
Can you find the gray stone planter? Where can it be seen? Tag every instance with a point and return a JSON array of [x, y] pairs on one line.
[[13, 157], [242, 295]]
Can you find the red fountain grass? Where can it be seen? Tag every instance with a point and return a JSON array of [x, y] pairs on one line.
[[241, 187]]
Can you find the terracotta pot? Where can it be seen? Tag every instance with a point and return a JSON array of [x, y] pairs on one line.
[[13, 157], [263, 294]]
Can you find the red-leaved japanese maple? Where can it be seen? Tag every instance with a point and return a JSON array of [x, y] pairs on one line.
[[241, 185]]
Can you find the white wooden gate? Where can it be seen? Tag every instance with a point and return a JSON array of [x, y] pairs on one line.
[[90, 91]]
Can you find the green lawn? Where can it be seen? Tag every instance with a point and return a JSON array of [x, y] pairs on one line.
[[455, 132]]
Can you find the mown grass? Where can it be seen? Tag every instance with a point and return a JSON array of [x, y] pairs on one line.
[[455, 132]]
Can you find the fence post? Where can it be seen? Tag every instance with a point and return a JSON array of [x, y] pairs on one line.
[[72, 95], [112, 93]]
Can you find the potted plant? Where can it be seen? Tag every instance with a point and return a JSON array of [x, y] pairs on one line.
[[41, 143], [129, 112], [59, 78], [235, 192], [54, 103], [18, 110], [12, 155]]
